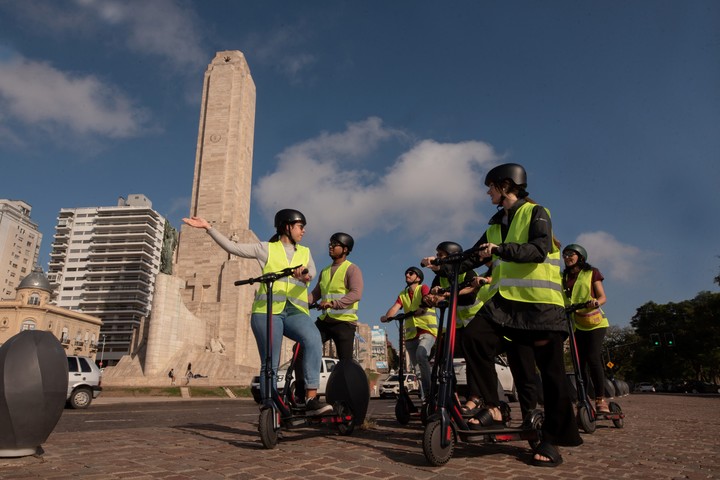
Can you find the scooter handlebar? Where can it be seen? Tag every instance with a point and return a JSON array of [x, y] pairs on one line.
[[578, 306], [270, 277], [400, 316]]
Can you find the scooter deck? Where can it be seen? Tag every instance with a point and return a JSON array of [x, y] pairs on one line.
[[499, 434]]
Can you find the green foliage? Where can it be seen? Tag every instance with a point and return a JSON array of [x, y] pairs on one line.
[[689, 335]]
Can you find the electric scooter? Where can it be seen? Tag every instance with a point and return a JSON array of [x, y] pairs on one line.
[[447, 425], [587, 415], [280, 409], [405, 409]]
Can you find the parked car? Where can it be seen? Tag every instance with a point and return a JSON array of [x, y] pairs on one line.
[[390, 387], [84, 381], [644, 387], [326, 368], [503, 372]]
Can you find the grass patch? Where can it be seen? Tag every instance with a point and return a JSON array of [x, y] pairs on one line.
[[208, 392], [242, 392], [141, 392]]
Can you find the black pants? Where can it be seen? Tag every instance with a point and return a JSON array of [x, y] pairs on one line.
[[484, 339], [342, 334], [589, 345]]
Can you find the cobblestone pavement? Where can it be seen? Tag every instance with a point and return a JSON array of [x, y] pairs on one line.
[[664, 436]]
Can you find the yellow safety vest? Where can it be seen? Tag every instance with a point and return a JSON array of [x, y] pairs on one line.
[[426, 319], [332, 287], [286, 288], [465, 313], [586, 318], [525, 282]]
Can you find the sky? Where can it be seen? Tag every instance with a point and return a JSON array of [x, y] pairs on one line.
[[381, 119]]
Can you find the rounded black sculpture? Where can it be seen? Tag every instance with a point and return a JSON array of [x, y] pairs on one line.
[[33, 391]]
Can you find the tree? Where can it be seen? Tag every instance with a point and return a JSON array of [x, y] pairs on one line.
[[694, 328]]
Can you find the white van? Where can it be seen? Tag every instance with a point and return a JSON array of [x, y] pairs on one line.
[[326, 368], [84, 380]]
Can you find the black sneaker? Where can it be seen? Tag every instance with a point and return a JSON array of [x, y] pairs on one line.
[[316, 407]]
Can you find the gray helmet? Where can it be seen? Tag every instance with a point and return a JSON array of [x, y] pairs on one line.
[[288, 216], [510, 171], [578, 249], [417, 272], [451, 248], [343, 239]]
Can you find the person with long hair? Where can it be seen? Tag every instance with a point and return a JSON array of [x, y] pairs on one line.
[[291, 316], [582, 283], [526, 307]]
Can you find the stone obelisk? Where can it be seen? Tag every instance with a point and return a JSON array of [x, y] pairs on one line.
[[221, 194]]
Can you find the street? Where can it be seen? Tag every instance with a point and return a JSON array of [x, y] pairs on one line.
[[665, 436]]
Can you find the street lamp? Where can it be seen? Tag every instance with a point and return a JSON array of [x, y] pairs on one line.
[[102, 352]]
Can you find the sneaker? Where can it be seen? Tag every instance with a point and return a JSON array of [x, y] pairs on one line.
[[316, 407]]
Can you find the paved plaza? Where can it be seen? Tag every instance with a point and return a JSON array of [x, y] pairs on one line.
[[665, 436]]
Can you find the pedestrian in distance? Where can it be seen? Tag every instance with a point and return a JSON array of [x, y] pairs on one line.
[[420, 330], [582, 283], [291, 316], [171, 374]]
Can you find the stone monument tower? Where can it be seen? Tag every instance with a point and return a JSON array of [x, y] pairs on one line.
[[199, 315]]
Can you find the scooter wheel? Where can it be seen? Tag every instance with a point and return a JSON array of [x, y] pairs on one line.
[[615, 408], [435, 453], [402, 414], [585, 419], [345, 427], [268, 433], [534, 421]]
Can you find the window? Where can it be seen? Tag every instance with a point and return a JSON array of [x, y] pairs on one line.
[[73, 365], [28, 325], [34, 299], [84, 365]]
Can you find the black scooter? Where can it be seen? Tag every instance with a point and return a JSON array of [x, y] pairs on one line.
[[447, 425], [280, 409], [587, 415], [405, 408]]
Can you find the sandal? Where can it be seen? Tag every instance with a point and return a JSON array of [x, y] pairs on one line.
[[601, 406], [484, 420], [548, 450], [471, 411]]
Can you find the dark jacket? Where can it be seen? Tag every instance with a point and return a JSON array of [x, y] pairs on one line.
[[514, 314]]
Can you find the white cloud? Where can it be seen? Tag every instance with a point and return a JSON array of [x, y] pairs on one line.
[[38, 94], [432, 184], [616, 260], [281, 48], [161, 27]]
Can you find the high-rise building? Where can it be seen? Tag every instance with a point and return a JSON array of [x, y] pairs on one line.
[[104, 262], [19, 245]]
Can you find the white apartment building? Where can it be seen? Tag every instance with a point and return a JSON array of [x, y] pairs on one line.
[[19, 245], [104, 262]]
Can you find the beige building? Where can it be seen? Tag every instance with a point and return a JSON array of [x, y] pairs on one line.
[[31, 310], [19, 245]]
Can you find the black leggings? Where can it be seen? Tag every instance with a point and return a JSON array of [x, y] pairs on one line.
[[589, 345]]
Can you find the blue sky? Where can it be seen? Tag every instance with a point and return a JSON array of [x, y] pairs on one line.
[[381, 119]]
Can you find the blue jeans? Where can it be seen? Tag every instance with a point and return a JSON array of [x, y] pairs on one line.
[[297, 326], [419, 351]]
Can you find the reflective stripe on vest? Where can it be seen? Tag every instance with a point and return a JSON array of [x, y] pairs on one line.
[[525, 282], [332, 287], [286, 288], [426, 320], [581, 293]]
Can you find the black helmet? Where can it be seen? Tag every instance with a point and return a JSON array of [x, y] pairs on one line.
[[577, 248], [343, 239], [417, 272], [451, 248], [510, 171], [288, 216]]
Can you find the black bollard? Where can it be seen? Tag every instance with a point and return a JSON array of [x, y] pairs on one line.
[[33, 391]]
